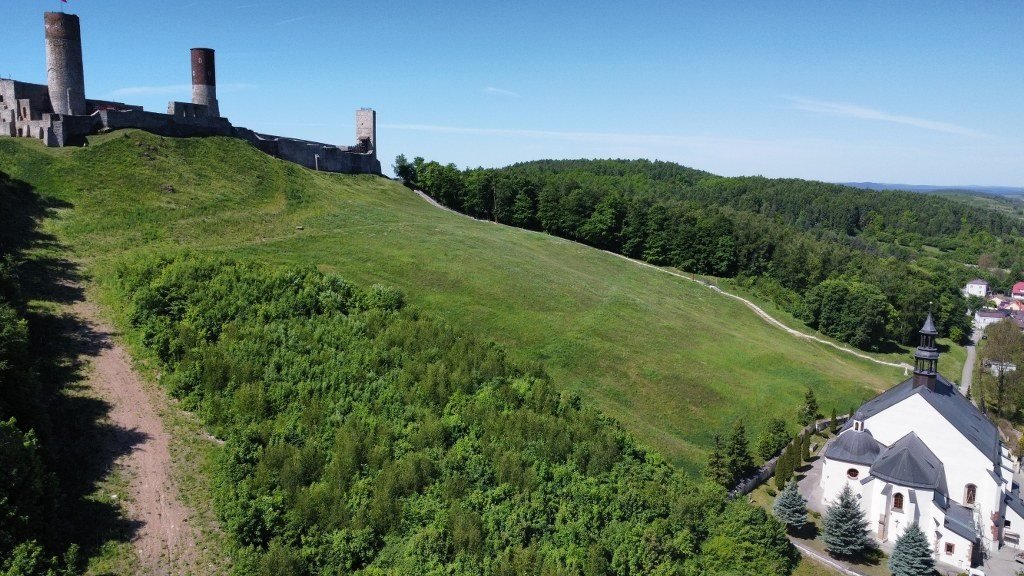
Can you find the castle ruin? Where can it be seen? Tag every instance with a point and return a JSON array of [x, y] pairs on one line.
[[59, 114]]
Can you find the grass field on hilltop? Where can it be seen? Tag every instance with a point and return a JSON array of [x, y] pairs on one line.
[[673, 361]]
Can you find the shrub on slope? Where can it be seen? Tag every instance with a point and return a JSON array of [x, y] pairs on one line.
[[363, 436]]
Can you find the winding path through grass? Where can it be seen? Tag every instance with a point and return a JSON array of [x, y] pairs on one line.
[[756, 309]]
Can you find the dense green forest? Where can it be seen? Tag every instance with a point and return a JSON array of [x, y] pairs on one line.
[[859, 265], [364, 435]]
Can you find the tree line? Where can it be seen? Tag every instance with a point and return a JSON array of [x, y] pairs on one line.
[[364, 436], [861, 266]]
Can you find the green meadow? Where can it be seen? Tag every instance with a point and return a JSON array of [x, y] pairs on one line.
[[673, 361]]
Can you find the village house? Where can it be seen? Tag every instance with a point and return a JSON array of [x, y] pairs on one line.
[[1017, 292], [985, 317], [976, 287]]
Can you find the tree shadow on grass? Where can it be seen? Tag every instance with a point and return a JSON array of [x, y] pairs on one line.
[[80, 446], [870, 557], [809, 531]]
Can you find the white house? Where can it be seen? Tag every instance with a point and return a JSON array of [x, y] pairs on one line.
[[985, 317], [976, 287], [997, 368], [922, 452]]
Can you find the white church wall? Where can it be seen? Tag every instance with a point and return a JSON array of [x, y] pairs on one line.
[[835, 475], [962, 462], [1014, 532]]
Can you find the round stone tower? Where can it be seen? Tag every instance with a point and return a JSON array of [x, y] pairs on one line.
[[64, 71], [204, 80]]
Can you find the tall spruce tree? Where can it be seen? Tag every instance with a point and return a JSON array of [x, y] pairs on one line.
[[790, 507], [717, 469], [833, 424], [738, 460], [805, 447], [846, 530], [809, 411], [912, 555]]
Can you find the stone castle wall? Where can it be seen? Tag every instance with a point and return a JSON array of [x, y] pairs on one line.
[[313, 155], [59, 114]]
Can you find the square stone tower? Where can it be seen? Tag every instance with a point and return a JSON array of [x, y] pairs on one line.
[[366, 128]]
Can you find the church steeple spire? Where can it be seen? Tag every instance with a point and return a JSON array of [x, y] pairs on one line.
[[926, 358]]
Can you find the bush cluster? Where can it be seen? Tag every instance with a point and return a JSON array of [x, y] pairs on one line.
[[364, 436]]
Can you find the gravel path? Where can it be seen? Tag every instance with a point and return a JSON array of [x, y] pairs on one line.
[[165, 542], [968, 374], [754, 307]]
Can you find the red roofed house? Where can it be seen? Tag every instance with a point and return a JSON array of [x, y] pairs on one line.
[[1018, 291]]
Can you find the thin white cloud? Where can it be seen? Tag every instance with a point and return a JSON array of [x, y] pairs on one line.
[[501, 92], [603, 138], [291, 20], [173, 89], [848, 110], [151, 90]]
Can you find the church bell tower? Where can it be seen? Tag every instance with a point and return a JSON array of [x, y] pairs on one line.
[[926, 358]]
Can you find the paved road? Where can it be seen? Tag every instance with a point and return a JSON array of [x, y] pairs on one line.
[[968, 375]]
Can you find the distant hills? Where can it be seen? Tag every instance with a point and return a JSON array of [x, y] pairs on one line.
[[995, 190]]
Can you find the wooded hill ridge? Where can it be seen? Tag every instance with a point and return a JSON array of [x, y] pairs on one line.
[[861, 266]]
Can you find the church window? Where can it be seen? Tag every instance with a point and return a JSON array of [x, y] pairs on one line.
[[950, 548], [970, 494], [858, 426], [897, 501], [852, 473]]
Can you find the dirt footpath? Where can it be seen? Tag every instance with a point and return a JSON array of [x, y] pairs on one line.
[[165, 542]]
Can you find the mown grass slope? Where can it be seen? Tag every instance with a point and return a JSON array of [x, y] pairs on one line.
[[673, 361]]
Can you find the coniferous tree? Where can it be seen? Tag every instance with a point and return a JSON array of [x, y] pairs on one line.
[[805, 447], [833, 424], [773, 439], [780, 473], [797, 447], [791, 507], [809, 411], [792, 461], [737, 453], [717, 469], [845, 529], [912, 555], [784, 468]]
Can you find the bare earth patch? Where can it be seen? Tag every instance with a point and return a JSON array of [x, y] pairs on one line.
[[166, 540]]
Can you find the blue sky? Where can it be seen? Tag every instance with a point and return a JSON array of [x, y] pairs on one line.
[[926, 92]]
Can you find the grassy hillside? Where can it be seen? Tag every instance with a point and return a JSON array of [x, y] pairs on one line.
[[673, 361]]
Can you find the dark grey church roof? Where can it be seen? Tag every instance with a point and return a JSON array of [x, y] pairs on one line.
[[854, 447], [929, 326], [910, 463], [951, 404], [960, 520], [1015, 503]]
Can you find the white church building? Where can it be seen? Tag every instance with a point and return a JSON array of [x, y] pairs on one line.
[[922, 452]]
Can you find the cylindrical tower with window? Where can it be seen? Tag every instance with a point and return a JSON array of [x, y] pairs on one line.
[[65, 74]]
